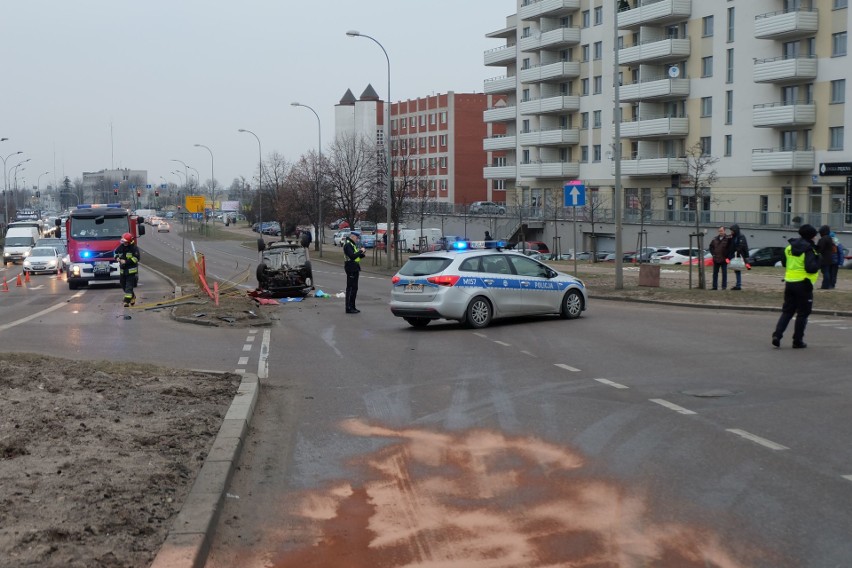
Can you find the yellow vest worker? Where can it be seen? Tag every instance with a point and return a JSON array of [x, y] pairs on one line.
[[802, 267], [353, 253]]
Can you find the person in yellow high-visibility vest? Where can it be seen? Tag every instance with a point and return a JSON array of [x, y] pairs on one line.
[[353, 252], [802, 269]]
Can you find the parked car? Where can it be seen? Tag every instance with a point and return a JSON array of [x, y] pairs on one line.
[[765, 256], [530, 245], [476, 286], [339, 237], [674, 255], [486, 208], [368, 240]]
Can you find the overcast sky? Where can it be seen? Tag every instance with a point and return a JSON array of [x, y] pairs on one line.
[[165, 75]]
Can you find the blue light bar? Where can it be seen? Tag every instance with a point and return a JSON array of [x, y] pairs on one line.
[[86, 254], [460, 245]]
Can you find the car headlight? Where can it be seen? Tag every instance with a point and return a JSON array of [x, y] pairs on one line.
[[27, 263]]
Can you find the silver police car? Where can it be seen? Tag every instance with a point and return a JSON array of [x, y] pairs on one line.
[[476, 286]]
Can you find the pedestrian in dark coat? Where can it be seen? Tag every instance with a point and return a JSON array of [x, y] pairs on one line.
[[353, 252], [738, 246], [802, 268], [825, 250], [719, 249]]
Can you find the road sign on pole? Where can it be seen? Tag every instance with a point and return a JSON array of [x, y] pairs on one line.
[[575, 193], [195, 203]]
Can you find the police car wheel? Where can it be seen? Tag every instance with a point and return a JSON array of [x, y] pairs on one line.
[[478, 313], [572, 305], [418, 322]]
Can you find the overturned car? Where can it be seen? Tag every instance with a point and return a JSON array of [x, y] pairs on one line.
[[284, 269]]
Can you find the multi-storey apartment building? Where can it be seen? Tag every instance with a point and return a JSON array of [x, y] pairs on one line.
[[758, 84], [436, 143], [107, 186]]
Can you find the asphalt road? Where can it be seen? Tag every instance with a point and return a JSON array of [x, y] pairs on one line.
[[637, 430]]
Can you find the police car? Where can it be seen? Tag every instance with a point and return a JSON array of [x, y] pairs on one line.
[[474, 286]]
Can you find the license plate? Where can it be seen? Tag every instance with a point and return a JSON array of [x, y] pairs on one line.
[[413, 288], [101, 268]]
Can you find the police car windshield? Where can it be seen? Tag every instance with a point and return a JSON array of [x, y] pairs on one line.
[[418, 266]]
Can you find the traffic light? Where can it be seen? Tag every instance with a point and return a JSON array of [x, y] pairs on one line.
[[38, 194], [156, 193], [138, 193], [115, 191]]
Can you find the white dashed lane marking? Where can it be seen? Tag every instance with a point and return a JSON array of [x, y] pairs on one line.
[[567, 367], [612, 384], [671, 406], [242, 361], [503, 343], [757, 439]]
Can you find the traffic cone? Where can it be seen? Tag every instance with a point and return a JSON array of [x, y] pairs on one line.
[[18, 281], [27, 276], [5, 285]]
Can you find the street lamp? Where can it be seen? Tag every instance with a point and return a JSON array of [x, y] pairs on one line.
[[259, 181], [212, 179], [6, 185], [38, 188], [320, 227], [197, 178], [355, 33]]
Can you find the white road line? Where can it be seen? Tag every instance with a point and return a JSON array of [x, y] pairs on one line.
[[247, 347], [31, 317], [529, 354], [757, 439], [503, 343], [611, 384], [263, 361], [847, 477], [250, 338], [243, 361], [240, 371], [482, 335], [252, 331], [671, 406], [567, 367]]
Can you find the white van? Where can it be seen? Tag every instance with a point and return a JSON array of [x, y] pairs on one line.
[[412, 238], [19, 242]]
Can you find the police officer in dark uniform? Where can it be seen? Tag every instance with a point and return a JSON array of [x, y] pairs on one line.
[[353, 252], [128, 256]]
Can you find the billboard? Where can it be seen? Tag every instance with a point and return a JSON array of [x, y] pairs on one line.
[[230, 206]]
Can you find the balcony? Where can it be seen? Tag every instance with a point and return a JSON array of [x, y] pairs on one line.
[[500, 85], [551, 105], [785, 70], [543, 170], [778, 115], [554, 39], [652, 167], [501, 56], [786, 25], [557, 137], [500, 114], [659, 51], [665, 127], [655, 13], [534, 9], [781, 160], [559, 71], [659, 89], [500, 172], [496, 143]]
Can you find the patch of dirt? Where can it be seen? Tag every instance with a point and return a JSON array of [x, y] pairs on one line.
[[96, 458], [234, 310]]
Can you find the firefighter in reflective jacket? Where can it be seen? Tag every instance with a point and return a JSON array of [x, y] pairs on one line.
[[127, 254], [353, 253]]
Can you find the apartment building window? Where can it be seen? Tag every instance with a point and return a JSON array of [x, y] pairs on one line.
[[835, 138], [525, 95], [442, 140], [412, 121], [839, 4], [380, 137], [730, 25], [598, 15], [403, 144], [422, 163], [526, 32], [525, 126], [586, 19], [707, 26], [706, 146], [707, 66], [584, 87], [729, 107], [789, 139], [838, 91], [442, 162], [596, 120], [584, 154], [444, 184], [433, 118], [423, 142], [596, 153], [598, 50], [433, 141], [729, 67], [729, 145], [403, 123], [525, 157], [444, 117], [498, 184], [598, 84], [422, 120], [584, 120], [838, 44], [525, 63], [706, 106], [433, 162], [586, 52]]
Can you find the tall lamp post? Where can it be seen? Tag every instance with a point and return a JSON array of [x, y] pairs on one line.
[[355, 33], [320, 227], [259, 182], [38, 188], [197, 177], [212, 179], [6, 185], [15, 177]]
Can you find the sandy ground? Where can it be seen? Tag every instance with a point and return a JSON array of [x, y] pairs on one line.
[[97, 458]]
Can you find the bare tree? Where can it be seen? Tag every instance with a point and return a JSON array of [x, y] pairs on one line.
[[592, 212], [700, 177], [352, 175], [309, 191], [279, 193]]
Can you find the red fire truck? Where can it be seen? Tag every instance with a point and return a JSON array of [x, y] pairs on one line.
[[93, 233]]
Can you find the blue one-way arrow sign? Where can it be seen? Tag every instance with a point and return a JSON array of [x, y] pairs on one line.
[[575, 193]]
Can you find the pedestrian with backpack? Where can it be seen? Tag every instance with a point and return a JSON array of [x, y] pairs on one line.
[[839, 258], [826, 250]]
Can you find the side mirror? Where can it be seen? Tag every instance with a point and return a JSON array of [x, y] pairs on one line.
[[140, 220], [261, 245], [140, 229]]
